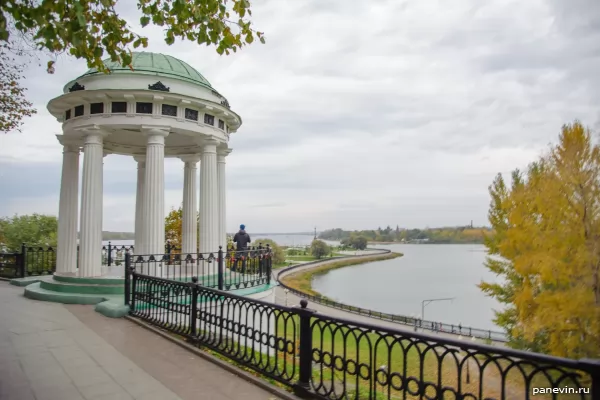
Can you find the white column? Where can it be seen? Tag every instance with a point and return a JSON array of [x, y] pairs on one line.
[[66, 252], [139, 203], [90, 243], [209, 199], [189, 224], [222, 197], [154, 193]]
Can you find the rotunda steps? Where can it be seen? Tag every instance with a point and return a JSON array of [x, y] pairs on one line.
[[36, 292], [73, 290]]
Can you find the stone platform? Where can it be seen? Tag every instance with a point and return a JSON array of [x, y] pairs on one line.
[[51, 351], [72, 290], [106, 293]]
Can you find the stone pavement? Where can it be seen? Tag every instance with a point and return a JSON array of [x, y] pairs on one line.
[[49, 351]]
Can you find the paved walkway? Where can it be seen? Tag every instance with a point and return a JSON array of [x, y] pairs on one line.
[[53, 352]]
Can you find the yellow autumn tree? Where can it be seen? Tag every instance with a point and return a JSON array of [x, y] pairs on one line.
[[173, 228], [546, 246]]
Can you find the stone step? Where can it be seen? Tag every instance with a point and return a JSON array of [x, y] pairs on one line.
[[91, 281], [83, 288], [34, 291]]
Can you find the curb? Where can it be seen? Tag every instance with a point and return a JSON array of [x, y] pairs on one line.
[[280, 393]]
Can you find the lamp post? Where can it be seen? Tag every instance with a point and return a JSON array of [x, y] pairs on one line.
[[467, 358], [426, 302], [286, 298]]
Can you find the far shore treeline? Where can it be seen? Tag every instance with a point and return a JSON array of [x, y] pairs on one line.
[[447, 235]]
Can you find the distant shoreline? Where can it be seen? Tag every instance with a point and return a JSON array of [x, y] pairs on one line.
[[424, 242]]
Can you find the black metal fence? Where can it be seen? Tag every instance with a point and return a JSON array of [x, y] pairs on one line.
[[417, 323], [229, 270], [432, 326], [30, 261], [114, 255], [240, 269], [331, 358]]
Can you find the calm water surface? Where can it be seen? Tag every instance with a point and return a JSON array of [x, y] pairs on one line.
[[425, 272]]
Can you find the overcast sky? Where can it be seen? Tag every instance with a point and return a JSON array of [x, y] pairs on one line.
[[356, 114]]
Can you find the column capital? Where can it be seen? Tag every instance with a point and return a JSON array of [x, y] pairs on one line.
[[209, 146], [191, 158], [93, 130], [155, 130], [71, 148], [155, 135], [221, 154], [139, 159]]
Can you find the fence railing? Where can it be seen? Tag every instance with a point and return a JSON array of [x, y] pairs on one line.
[[225, 270], [416, 323], [30, 261], [332, 358], [114, 255], [239, 269]]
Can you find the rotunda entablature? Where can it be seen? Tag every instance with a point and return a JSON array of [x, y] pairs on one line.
[[132, 141]]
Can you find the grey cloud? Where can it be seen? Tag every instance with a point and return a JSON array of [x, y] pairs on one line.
[[28, 180], [269, 205], [369, 112], [576, 18]]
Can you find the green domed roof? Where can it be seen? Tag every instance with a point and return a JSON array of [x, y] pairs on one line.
[[156, 64]]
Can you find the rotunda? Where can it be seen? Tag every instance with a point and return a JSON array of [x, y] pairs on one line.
[[160, 107]]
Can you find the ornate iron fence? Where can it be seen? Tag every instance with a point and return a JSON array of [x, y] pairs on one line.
[[30, 261], [332, 358], [229, 270], [115, 254], [417, 323], [10, 265]]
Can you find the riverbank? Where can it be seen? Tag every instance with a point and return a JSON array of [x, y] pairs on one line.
[[302, 280], [428, 242], [296, 283]]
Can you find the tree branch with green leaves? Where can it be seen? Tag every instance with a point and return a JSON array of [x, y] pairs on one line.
[[13, 104], [92, 29]]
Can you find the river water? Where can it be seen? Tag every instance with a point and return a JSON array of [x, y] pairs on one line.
[[398, 286], [426, 271]]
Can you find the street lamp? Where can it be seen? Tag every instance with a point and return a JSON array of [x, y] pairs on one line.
[[426, 302], [467, 359]]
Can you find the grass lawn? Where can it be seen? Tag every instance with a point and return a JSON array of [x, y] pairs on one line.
[[338, 350], [309, 257], [279, 265], [348, 358], [343, 349], [302, 280]]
